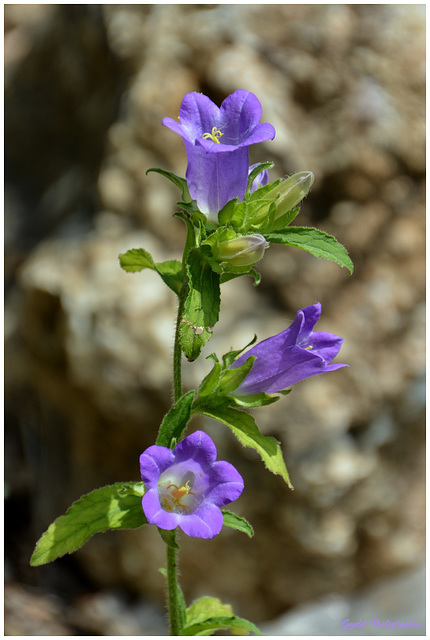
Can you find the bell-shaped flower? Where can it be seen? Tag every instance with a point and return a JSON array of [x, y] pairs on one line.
[[187, 486], [293, 355], [216, 141]]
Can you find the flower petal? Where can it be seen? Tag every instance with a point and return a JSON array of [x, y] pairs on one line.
[[198, 446], [213, 179], [205, 522], [271, 353], [227, 483], [153, 461], [311, 315], [154, 512], [198, 115], [240, 113], [175, 126], [327, 345]]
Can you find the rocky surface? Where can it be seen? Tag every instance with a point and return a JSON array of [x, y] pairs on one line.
[[88, 347]]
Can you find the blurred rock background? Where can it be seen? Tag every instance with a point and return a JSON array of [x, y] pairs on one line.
[[88, 347]]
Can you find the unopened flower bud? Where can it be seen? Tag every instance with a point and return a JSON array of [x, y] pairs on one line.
[[243, 251], [292, 191]]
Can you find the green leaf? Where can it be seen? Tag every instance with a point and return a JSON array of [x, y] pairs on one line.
[[220, 622], [234, 521], [172, 273], [206, 607], [176, 420], [319, 243], [246, 431], [118, 506], [201, 309], [136, 260], [179, 182], [207, 614]]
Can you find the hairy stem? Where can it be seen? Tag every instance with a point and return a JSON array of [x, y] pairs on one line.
[[172, 584]]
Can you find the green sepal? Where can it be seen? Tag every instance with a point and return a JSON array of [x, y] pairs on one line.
[[232, 214], [277, 223], [218, 386], [256, 171], [198, 218], [210, 383], [202, 304], [175, 421], [226, 276], [251, 214], [257, 400], [117, 506], [170, 271], [234, 521], [179, 182], [319, 243], [232, 378], [233, 354], [169, 538], [246, 431]]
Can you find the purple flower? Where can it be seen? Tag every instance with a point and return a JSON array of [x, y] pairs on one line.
[[216, 141], [187, 486], [291, 356]]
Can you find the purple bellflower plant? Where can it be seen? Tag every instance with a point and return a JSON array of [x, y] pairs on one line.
[[293, 355], [187, 486], [216, 141], [184, 485]]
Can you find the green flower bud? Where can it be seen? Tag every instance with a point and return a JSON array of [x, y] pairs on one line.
[[243, 251], [292, 191]]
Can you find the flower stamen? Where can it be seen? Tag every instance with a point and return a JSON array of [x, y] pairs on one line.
[[176, 494], [215, 135]]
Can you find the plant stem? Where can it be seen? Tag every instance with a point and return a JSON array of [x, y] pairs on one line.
[[174, 592], [177, 352], [172, 585], [175, 620]]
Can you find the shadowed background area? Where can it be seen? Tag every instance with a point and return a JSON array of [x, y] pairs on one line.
[[88, 347]]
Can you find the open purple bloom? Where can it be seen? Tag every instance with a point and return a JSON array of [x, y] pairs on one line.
[[187, 486], [291, 356], [216, 141]]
